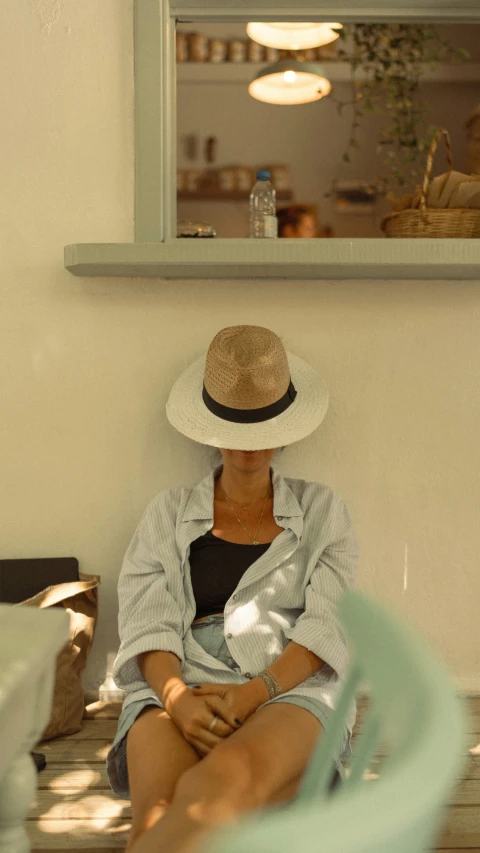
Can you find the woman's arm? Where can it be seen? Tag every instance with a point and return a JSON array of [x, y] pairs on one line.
[[163, 672], [294, 665], [149, 617]]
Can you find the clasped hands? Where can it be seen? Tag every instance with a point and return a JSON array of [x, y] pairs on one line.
[[241, 699]]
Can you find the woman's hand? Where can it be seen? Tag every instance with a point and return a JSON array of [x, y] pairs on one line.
[[193, 715], [241, 699]]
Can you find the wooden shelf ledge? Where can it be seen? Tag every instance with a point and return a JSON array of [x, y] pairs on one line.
[[338, 72], [327, 258], [218, 195]]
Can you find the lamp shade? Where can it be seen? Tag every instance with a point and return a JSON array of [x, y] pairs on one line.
[[290, 82], [292, 36]]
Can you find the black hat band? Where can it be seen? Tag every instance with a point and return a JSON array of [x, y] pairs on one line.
[[250, 416]]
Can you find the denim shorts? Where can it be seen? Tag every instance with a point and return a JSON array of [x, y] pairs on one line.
[[210, 635]]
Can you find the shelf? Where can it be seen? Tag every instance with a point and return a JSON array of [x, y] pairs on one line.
[[339, 72], [215, 195], [333, 258]]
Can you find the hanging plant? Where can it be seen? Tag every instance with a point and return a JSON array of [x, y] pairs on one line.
[[392, 59]]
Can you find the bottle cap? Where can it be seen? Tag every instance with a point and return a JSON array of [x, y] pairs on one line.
[[263, 175]]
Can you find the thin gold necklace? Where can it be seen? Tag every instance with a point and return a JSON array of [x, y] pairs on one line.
[[254, 540]]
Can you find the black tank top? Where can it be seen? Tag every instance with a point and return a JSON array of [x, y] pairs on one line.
[[216, 568]]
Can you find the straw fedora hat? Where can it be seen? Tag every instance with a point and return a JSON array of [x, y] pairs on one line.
[[247, 393]]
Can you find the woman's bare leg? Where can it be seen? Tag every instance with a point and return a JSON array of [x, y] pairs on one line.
[[157, 756]]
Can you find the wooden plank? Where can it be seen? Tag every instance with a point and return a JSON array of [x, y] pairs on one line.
[[382, 749], [473, 768], [471, 772], [66, 777], [461, 832], [472, 726], [96, 729], [64, 750], [96, 836], [461, 828], [473, 702], [77, 785], [79, 805], [467, 793]]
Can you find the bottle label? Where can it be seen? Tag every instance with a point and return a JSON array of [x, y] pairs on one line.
[[270, 227]]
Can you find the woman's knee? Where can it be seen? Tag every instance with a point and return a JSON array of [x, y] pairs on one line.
[[157, 756], [226, 769]]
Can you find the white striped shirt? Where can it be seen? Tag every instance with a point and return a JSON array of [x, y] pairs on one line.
[[290, 592]]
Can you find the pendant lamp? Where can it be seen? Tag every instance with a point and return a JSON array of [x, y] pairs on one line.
[[290, 82], [292, 36]]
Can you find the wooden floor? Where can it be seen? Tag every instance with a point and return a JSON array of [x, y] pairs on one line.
[[75, 809]]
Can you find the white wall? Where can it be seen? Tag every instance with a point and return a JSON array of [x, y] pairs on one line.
[[87, 364]]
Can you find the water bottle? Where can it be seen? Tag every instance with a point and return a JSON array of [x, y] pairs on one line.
[[263, 220]]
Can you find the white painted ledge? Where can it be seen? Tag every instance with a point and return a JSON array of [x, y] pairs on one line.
[[332, 258]]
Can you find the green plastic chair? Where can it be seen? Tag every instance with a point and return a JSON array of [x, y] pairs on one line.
[[416, 719]]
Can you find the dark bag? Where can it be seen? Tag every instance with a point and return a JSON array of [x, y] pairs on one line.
[[21, 579]]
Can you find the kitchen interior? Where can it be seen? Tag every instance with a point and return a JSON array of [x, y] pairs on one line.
[[318, 161]]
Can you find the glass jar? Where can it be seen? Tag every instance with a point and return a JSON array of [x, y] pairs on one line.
[[217, 50], [181, 47], [226, 179], [254, 51], [272, 54], [198, 47], [237, 50]]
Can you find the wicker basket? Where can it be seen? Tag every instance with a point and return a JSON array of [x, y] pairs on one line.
[[430, 221]]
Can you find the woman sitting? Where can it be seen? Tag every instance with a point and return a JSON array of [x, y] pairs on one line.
[[232, 655]]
